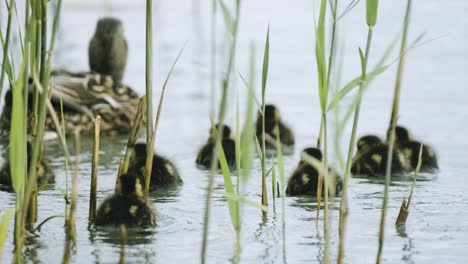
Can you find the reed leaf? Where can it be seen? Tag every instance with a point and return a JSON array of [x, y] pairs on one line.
[[320, 56], [228, 19], [233, 205], [6, 66], [371, 12], [353, 84], [4, 228], [248, 133]]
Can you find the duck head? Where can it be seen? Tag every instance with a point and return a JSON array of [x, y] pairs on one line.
[[108, 50], [130, 184], [367, 142]]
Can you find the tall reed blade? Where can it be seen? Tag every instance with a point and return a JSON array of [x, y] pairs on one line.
[[266, 56], [393, 120], [149, 70]]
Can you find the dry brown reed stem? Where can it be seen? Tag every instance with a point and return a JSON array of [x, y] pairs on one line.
[[150, 146], [123, 241], [74, 197], [404, 209], [132, 138], [94, 170]]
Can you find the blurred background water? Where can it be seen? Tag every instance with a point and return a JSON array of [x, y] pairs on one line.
[[434, 106]]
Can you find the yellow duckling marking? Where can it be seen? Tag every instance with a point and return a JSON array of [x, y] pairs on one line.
[[305, 179], [170, 169], [377, 158], [133, 209], [405, 158], [430, 153], [408, 152], [138, 188], [107, 209]]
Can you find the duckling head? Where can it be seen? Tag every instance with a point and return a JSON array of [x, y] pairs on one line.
[[139, 149], [313, 152], [226, 131], [272, 114], [107, 52], [402, 135], [130, 184], [367, 142]]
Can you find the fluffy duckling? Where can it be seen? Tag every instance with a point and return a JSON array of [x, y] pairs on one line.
[[163, 173], [127, 207], [44, 171], [371, 158], [410, 148], [205, 154], [304, 179], [273, 127], [108, 49]]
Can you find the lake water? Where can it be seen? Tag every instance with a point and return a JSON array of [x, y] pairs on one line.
[[434, 105]]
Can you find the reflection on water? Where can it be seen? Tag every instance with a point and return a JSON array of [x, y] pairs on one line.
[[437, 226]]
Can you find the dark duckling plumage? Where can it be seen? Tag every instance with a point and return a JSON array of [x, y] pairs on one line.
[[273, 126], [304, 179], [44, 172], [163, 173], [108, 49], [127, 207], [410, 148], [205, 154]]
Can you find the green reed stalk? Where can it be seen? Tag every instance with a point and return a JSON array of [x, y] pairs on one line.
[[221, 114], [404, 209], [266, 56], [6, 45], [17, 150], [32, 180], [94, 171], [150, 147], [279, 158], [213, 58], [371, 18], [393, 120], [149, 70]]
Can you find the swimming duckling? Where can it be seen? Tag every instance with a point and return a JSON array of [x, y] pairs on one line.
[[108, 51], [163, 172], [205, 154], [44, 171], [304, 179], [371, 158], [127, 207], [273, 126], [410, 148]]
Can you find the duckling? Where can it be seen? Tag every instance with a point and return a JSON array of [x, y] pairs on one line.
[[371, 158], [273, 126], [44, 171], [205, 154], [127, 207], [163, 173], [304, 179], [108, 49], [410, 148]]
